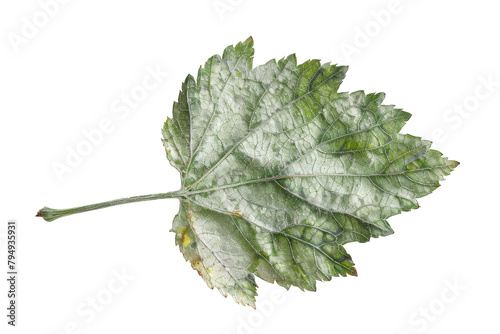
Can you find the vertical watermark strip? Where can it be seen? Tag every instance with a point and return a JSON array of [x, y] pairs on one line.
[[12, 274]]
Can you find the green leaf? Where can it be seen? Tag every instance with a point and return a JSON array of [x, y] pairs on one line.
[[281, 171]]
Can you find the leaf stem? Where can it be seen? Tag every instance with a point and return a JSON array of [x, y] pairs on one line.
[[50, 214]]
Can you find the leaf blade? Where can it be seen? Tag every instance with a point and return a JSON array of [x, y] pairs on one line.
[[283, 170]]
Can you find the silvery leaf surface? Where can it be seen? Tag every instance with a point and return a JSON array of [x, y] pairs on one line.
[[281, 170]]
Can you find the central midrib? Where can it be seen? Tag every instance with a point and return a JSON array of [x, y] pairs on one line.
[[275, 178]]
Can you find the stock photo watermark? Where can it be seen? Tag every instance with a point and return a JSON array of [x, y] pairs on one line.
[[121, 108], [32, 25], [88, 310], [364, 35], [223, 7], [12, 274], [257, 318], [454, 116], [436, 308]]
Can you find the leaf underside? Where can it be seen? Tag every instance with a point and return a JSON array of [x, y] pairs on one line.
[[282, 170]]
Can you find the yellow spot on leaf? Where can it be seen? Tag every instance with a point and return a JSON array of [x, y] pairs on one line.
[[186, 240]]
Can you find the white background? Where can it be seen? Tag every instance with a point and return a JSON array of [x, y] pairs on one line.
[[430, 57]]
